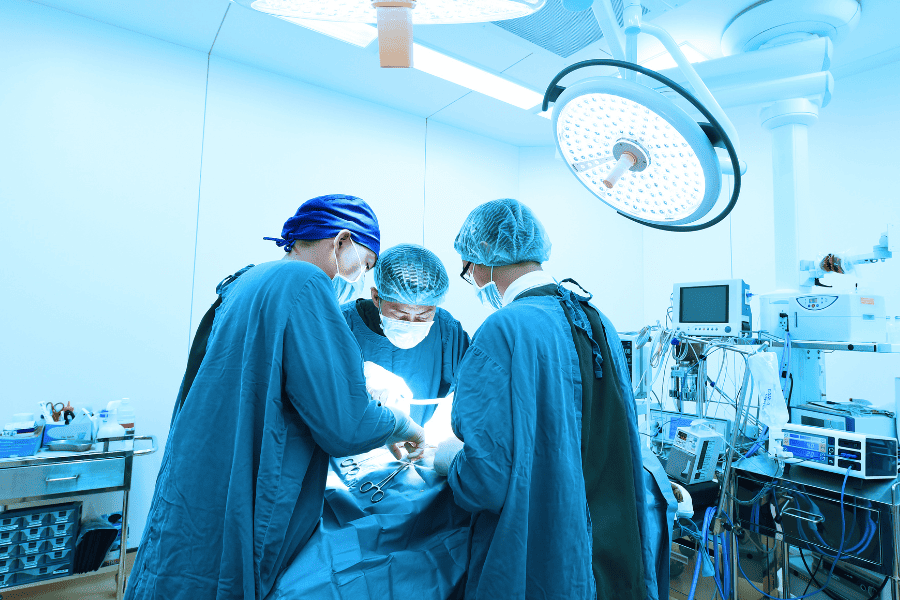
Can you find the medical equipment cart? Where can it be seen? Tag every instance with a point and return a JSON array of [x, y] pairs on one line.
[[809, 515], [106, 467]]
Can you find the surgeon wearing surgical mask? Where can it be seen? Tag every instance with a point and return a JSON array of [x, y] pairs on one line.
[[403, 332], [273, 386]]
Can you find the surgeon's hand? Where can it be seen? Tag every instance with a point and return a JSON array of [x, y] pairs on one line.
[[446, 452], [384, 386], [407, 435]]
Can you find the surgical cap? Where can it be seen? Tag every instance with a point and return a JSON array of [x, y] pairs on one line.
[[326, 216], [502, 232], [411, 274]]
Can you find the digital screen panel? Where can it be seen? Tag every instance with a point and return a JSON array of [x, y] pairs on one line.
[[805, 446], [704, 304]]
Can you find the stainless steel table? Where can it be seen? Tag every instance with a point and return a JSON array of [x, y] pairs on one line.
[[106, 467]]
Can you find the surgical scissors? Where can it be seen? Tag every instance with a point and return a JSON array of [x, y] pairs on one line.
[[378, 496], [352, 465]]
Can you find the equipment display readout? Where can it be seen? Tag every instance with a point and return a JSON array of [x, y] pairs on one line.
[[805, 446], [704, 304]]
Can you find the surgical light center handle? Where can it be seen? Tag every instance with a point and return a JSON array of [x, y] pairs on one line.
[[626, 161]]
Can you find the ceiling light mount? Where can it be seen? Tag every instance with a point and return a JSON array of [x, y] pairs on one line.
[[395, 32]]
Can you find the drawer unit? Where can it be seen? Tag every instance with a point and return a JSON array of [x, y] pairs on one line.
[[59, 543], [9, 523], [34, 520], [63, 478], [55, 556], [9, 537], [59, 530], [8, 565], [65, 515], [42, 573], [35, 533], [6, 579], [28, 562], [8, 551], [25, 548]]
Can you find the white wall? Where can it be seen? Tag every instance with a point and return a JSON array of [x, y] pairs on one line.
[[102, 201], [99, 165]]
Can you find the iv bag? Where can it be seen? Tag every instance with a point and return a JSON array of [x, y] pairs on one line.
[[772, 407]]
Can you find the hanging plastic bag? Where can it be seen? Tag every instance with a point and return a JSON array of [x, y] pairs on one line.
[[772, 407]]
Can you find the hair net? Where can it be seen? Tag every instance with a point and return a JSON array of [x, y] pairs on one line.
[[411, 274], [325, 216], [502, 232]]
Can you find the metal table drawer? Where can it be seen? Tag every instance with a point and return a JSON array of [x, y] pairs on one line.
[[62, 478]]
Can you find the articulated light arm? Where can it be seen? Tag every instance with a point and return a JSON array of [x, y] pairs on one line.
[[632, 17]]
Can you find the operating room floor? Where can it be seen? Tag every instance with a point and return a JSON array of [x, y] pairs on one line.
[[90, 587]]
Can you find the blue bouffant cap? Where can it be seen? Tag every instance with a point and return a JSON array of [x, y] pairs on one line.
[[326, 216]]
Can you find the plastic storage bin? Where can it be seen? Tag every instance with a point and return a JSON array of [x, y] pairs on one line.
[[38, 544]]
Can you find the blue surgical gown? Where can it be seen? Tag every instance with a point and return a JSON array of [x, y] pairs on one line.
[[518, 409], [242, 481], [429, 368]]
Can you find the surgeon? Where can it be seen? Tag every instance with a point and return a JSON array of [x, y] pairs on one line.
[[403, 330], [274, 386], [549, 461]]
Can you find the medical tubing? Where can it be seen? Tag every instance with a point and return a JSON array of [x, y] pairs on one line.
[[700, 548], [834, 562], [732, 153]]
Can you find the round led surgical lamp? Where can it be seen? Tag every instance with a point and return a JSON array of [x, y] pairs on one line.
[[395, 18], [639, 152]]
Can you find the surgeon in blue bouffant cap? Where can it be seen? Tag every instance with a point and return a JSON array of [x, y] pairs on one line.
[[274, 386]]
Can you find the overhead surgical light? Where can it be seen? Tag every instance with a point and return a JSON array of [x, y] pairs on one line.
[[635, 149], [395, 18]]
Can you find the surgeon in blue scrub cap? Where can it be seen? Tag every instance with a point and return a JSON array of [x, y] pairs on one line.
[[548, 457], [402, 329], [274, 385]]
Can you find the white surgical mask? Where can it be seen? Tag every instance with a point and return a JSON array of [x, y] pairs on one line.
[[345, 289], [489, 294], [405, 334]]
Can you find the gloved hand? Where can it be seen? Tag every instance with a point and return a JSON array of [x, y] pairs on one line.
[[407, 434], [384, 386], [446, 452]]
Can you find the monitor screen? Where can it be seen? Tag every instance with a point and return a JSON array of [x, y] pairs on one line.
[[808, 447], [704, 304]]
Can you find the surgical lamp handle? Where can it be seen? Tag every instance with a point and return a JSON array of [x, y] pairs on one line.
[[553, 91]]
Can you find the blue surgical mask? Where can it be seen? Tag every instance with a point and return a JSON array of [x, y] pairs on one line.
[[345, 289], [489, 294]]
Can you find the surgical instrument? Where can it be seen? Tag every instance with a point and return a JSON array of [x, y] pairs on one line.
[[351, 465], [378, 495]]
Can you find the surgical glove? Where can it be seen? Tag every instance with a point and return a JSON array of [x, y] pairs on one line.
[[407, 434], [384, 386], [446, 452]]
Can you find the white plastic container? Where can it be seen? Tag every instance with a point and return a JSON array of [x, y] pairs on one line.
[[109, 426], [124, 414]]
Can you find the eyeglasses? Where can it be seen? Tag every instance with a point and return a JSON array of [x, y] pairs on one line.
[[466, 276]]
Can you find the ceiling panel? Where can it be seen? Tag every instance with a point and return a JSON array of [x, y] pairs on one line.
[[191, 23]]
